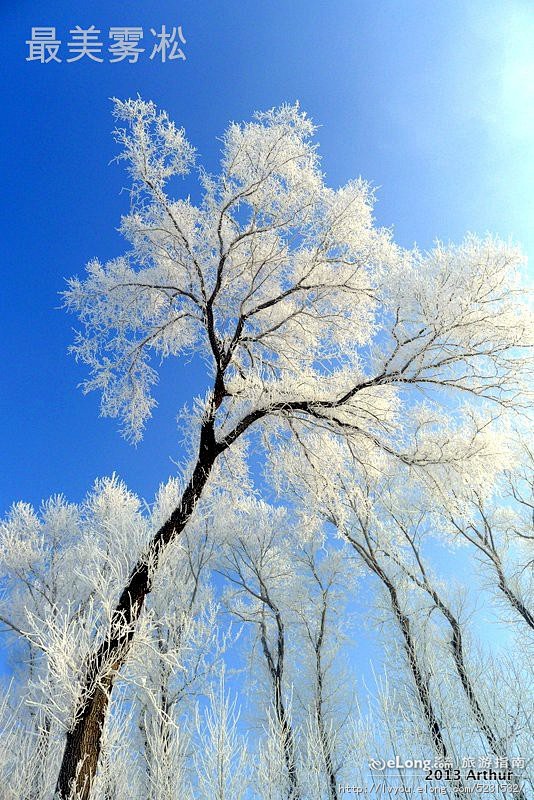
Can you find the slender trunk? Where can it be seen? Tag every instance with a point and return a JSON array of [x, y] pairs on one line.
[[467, 685], [469, 690], [323, 736], [288, 744], [84, 739], [276, 670], [147, 753], [512, 598], [457, 646], [465, 680], [325, 745], [420, 680]]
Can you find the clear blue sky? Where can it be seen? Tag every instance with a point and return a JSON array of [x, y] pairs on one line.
[[431, 100]]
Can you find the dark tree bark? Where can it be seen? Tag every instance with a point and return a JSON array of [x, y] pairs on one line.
[[83, 744], [512, 598], [420, 679], [275, 666], [319, 703], [457, 647], [485, 542]]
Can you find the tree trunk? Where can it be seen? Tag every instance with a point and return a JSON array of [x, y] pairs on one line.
[[82, 748], [419, 678], [478, 713], [457, 646], [276, 671], [420, 681], [288, 744], [323, 735], [512, 598], [327, 754], [83, 744]]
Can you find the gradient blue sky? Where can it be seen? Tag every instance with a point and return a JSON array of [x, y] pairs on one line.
[[431, 100]]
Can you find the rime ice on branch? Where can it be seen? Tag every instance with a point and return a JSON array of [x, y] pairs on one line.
[[306, 315]]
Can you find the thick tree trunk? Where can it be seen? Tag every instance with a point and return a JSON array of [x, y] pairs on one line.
[[82, 749], [83, 744]]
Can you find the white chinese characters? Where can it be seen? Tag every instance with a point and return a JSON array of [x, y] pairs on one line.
[[85, 43], [126, 44], [89, 44], [168, 47], [43, 45]]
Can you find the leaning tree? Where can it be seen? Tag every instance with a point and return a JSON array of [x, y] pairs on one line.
[[305, 314]]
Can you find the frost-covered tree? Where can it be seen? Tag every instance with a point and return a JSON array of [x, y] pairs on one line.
[[414, 529], [393, 521], [173, 664], [290, 591], [59, 568], [327, 578], [222, 761], [259, 569], [305, 314], [290, 583], [497, 521]]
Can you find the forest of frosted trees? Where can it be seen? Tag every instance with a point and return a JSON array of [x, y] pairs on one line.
[[340, 571]]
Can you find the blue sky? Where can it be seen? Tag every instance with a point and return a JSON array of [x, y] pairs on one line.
[[430, 100]]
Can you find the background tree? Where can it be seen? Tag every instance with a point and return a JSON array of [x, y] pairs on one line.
[[257, 566], [498, 524], [291, 592], [378, 512]]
